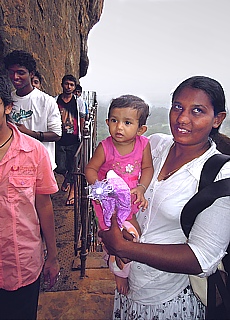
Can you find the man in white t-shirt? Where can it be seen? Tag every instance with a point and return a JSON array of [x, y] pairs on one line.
[[34, 112]]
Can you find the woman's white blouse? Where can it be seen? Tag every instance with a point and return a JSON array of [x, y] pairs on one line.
[[160, 224]]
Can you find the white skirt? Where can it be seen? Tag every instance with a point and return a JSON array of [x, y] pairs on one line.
[[184, 307]]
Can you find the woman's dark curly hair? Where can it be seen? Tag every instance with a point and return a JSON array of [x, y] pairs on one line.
[[5, 92]]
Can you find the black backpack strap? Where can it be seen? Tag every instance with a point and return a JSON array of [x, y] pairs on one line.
[[201, 200], [211, 168], [208, 192]]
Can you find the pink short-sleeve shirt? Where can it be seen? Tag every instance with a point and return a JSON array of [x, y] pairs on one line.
[[25, 171]]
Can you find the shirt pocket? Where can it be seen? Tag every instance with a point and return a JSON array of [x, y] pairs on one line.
[[21, 189]]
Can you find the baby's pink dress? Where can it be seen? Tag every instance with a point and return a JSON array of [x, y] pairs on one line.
[[128, 167]]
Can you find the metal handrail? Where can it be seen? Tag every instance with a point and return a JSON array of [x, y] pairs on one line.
[[83, 239]]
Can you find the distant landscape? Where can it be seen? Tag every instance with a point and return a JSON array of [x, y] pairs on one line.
[[157, 122]]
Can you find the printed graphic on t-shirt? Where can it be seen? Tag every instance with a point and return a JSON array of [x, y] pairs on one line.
[[68, 113], [22, 114], [67, 121]]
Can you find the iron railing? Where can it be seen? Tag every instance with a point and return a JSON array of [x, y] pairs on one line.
[[85, 226]]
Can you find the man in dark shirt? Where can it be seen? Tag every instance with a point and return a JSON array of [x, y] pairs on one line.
[[72, 123]]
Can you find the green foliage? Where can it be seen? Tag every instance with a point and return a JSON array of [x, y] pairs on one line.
[[102, 128]]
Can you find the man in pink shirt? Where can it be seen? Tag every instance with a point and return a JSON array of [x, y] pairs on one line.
[[26, 182]]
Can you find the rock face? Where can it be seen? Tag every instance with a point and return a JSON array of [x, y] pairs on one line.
[[54, 31]]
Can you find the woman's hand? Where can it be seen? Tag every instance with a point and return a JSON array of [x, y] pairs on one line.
[[178, 258], [113, 238]]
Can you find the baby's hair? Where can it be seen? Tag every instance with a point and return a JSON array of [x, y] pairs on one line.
[[134, 102]]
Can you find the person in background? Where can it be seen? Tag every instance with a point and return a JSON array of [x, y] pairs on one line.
[[126, 152], [72, 115], [27, 180], [81, 101], [37, 80], [163, 259], [34, 112]]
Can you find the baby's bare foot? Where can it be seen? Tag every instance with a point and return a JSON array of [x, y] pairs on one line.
[[122, 285]]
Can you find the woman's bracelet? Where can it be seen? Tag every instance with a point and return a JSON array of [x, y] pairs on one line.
[[142, 185]]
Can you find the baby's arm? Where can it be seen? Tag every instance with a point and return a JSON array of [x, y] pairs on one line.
[[94, 164], [145, 179]]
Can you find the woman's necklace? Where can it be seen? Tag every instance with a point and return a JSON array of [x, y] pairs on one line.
[[164, 177], [7, 140]]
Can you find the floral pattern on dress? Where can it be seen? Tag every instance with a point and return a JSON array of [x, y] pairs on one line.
[[184, 307], [127, 169]]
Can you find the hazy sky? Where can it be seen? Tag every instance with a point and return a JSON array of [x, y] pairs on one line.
[[146, 47]]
